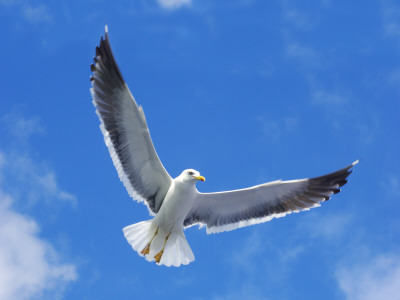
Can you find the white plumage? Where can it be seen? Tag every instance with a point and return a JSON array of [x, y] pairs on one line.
[[175, 203]]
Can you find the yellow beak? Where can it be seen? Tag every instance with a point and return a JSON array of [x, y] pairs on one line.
[[200, 178]]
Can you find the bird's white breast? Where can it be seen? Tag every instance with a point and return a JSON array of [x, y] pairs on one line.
[[176, 205]]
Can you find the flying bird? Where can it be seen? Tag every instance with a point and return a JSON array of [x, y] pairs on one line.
[[175, 203]]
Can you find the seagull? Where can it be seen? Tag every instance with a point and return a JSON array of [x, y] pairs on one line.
[[175, 203]]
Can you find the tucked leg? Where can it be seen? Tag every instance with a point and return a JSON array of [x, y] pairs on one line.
[[159, 254], [146, 249]]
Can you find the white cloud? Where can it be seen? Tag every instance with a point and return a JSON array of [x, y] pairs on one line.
[[394, 78], [305, 56], [36, 14], [391, 186], [174, 4], [373, 278], [392, 28], [255, 253], [390, 17], [245, 256], [7, 2], [32, 179], [331, 227], [329, 98], [31, 13], [29, 265], [243, 292], [296, 50], [295, 16], [276, 128], [20, 173], [22, 128]]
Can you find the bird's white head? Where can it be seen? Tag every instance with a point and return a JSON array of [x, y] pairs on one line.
[[191, 175]]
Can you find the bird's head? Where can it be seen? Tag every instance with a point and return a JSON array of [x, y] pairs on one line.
[[191, 175]]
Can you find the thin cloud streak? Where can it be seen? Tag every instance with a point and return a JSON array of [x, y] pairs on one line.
[[24, 176], [22, 128], [390, 18], [273, 128], [174, 4], [37, 14], [295, 17], [32, 13], [32, 180], [329, 98]]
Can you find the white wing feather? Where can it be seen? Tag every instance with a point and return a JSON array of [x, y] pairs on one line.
[[126, 133], [230, 210]]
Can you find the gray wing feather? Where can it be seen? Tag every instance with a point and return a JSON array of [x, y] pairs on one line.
[[229, 210], [125, 132]]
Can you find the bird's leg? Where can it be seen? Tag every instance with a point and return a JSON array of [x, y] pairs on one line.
[[159, 254], [146, 249]]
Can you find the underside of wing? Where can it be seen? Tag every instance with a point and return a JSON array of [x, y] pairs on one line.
[[230, 210], [125, 131]]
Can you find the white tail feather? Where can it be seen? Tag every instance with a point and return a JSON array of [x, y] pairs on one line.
[[176, 251]]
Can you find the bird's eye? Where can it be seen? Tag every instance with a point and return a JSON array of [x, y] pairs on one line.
[[191, 173]]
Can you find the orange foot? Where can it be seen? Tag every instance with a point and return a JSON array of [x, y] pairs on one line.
[[146, 249], [159, 255]]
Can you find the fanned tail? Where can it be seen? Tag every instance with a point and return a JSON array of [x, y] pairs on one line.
[[139, 234], [176, 251]]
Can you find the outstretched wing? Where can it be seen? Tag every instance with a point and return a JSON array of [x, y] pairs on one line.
[[230, 210], [125, 131]]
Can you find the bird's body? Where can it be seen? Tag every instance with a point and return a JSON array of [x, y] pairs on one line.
[[168, 223], [180, 198], [176, 203]]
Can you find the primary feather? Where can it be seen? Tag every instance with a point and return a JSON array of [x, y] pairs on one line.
[[229, 210], [126, 133]]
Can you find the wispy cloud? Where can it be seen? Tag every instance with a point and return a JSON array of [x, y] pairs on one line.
[[305, 56], [36, 14], [377, 279], [246, 255], [247, 259], [294, 16], [394, 78], [331, 228], [391, 17], [273, 128], [391, 186], [255, 253], [244, 292], [30, 266], [297, 50], [22, 128], [23, 175], [329, 98], [174, 4], [31, 179], [32, 13]]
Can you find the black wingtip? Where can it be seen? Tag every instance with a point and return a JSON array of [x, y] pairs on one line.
[[333, 181]]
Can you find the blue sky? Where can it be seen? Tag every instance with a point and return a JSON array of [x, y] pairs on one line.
[[245, 91]]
